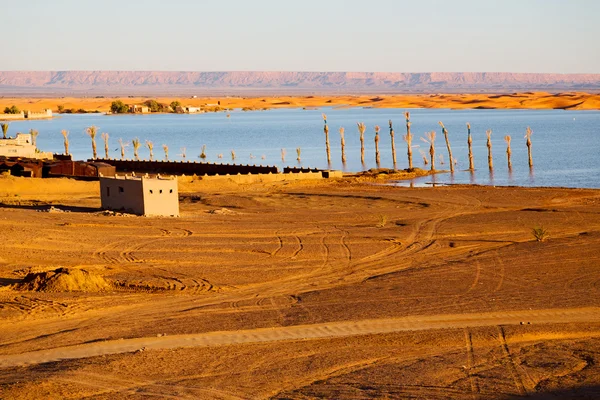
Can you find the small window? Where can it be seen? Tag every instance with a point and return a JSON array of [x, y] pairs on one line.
[[160, 191], [121, 190], [151, 191], [171, 191], [107, 191]]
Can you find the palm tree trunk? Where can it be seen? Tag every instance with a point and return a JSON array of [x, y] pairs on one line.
[[408, 139], [377, 155], [343, 144], [528, 136], [327, 147], [470, 143], [451, 159], [489, 146], [508, 151], [393, 143]]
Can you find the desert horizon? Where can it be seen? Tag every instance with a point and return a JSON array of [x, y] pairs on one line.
[[525, 100]]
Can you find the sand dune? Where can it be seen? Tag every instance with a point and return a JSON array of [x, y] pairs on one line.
[[528, 100]]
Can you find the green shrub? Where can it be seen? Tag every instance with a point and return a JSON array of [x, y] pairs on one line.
[[539, 233]]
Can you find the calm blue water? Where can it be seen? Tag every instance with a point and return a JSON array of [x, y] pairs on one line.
[[566, 144]]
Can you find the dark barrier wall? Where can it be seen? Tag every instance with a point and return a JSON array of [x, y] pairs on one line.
[[186, 167]]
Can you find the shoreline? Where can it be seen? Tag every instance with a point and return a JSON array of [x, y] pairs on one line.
[[514, 101]]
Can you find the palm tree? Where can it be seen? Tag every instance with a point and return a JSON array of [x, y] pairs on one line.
[[298, 151], [283, 153], [393, 143], [123, 146], [166, 150], [489, 146], [528, 137], [65, 134], [408, 140], [203, 152], [450, 158], [4, 128], [91, 132], [150, 146], [182, 152], [104, 136], [136, 145], [361, 129], [508, 151], [377, 156], [34, 134], [431, 141], [326, 130], [470, 143], [232, 155], [343, 144]]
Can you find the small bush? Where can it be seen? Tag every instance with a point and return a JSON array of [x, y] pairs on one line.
[[11, 110], [383, 219], [539, 233]]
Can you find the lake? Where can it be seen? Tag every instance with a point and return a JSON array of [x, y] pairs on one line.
[[566, 144]]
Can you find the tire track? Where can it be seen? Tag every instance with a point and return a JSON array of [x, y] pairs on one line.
[[315, 331], [470, 363], [512, 367]]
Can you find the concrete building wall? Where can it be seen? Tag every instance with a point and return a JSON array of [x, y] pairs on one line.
[[140, 195], [47, 113], [122, 194], [161, 197]]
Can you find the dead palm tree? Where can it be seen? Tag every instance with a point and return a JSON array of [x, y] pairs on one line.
[[377, 155], [528, 137], [508, 151], [104, 136], [34, 134], [65, 134], [298, 152], [393, 143], [408, 140], [122, 145], [489, 146], [430, 140], [343, 144], [183, 149], [470, 144], [283, 153], [424, 155], [4, 129], [150, 147], [450, 158], [232, 155], [326, 130], [91, 132], [136, 146], [361, 129], [166, 150], [203, 152]]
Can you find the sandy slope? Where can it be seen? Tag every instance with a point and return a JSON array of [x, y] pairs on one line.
[[429, 304], [538, 100]]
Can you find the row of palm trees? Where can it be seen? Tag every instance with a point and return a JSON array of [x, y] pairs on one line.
[[429, 139]]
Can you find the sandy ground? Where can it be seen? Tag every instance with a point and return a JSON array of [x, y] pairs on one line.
[[527, 100], [304, 290]]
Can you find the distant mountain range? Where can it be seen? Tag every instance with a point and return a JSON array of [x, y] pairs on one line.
[[84, 83]]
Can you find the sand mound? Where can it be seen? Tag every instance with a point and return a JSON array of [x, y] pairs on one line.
[[63, 280]]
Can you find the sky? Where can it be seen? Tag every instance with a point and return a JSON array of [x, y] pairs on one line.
[[553, 36]]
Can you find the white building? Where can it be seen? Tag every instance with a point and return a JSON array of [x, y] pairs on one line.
[[21, 146], [140, 195]]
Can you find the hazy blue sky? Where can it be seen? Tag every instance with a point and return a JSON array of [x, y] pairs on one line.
[[302, 35]]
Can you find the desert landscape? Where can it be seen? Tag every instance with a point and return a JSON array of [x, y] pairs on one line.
[[521, 100], [346, 288]]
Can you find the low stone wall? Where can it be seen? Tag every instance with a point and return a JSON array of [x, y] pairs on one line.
[[186, 167]]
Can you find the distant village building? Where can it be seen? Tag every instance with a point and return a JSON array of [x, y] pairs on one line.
[[140, 195], [21, 146], [136, 109], [47, 113], [188, 109]]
